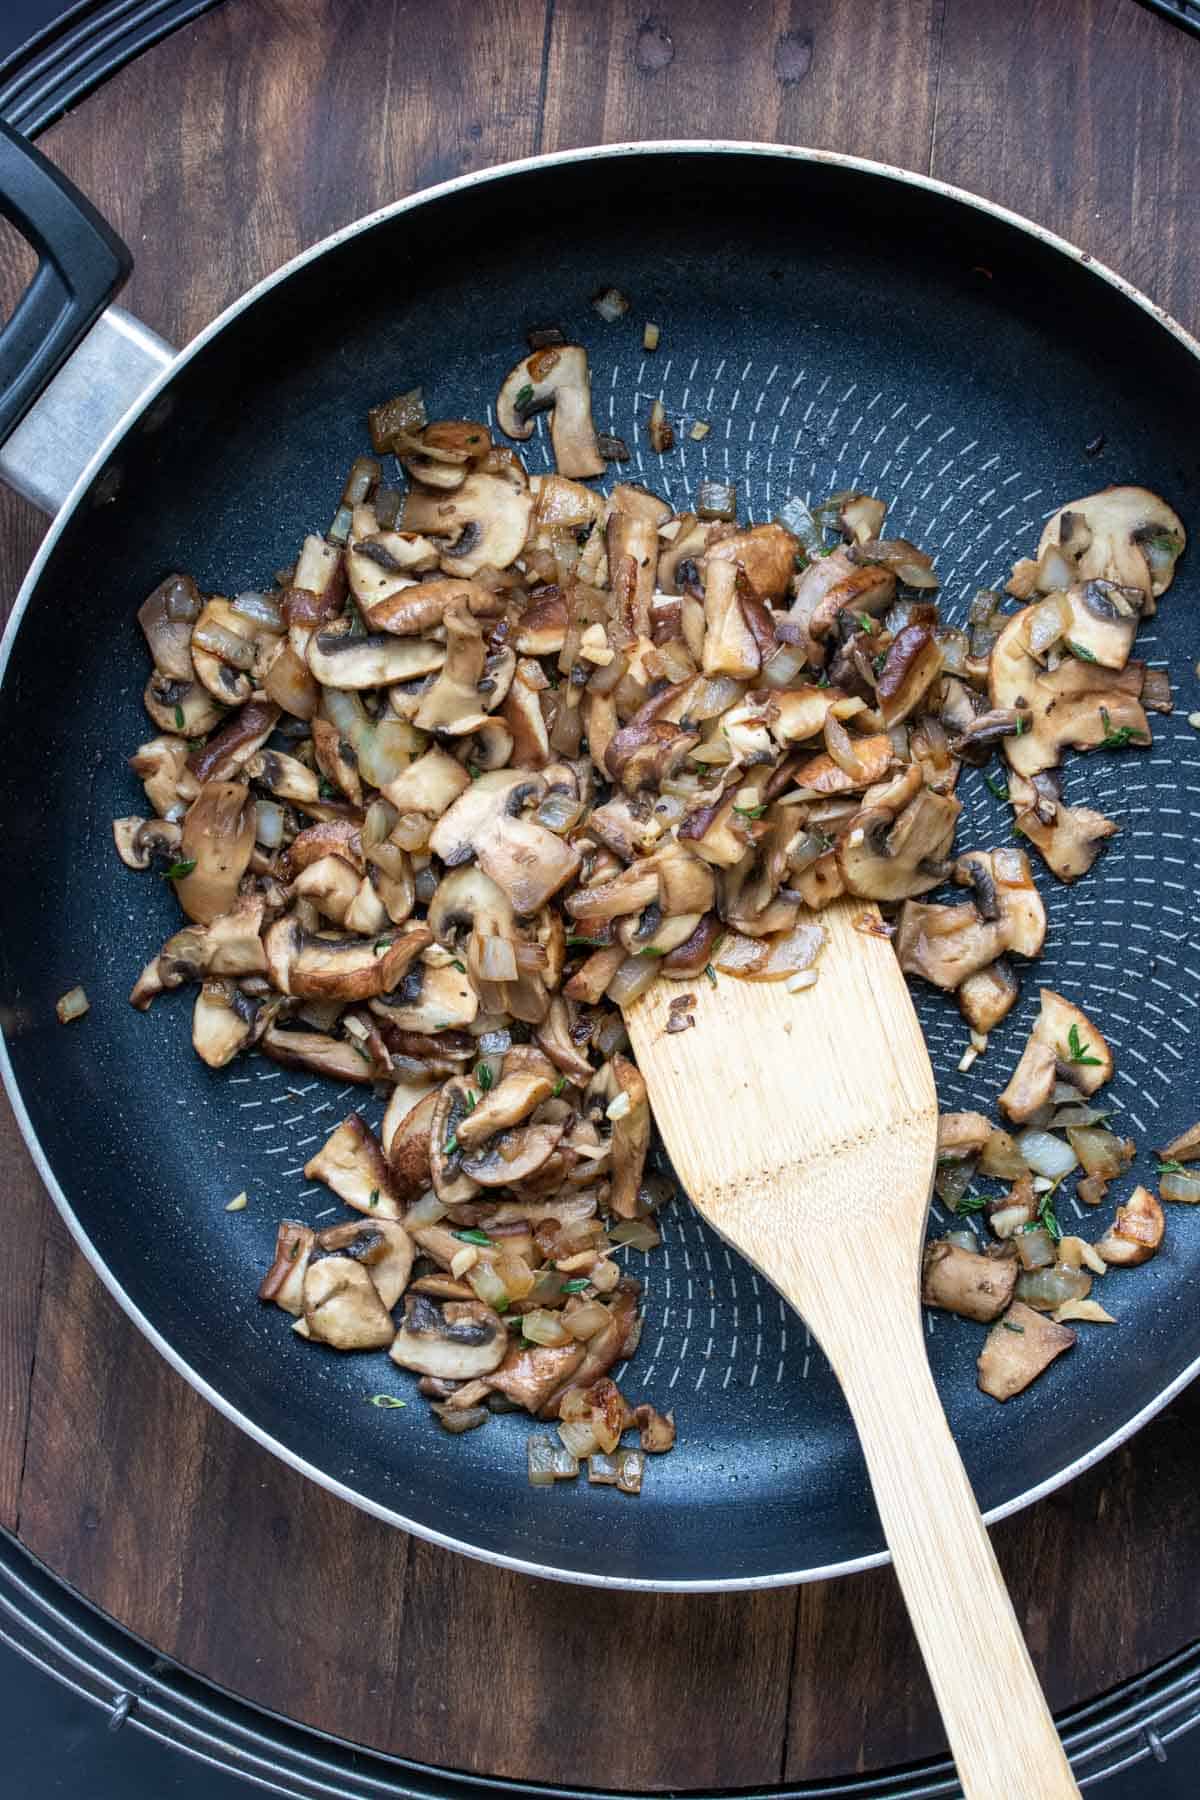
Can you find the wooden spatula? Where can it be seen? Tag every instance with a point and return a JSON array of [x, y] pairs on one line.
[[804, 1128]]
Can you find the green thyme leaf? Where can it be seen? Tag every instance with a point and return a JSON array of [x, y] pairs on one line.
[[1009, 1326], [1022, 725], [592, 943], [474, 771], [451, 1145], [969, 1203], [178, 870], [1081, 651], [471, 1101], [1116, 738], [383, 944], [180, 718], [1171, 1167], [523, 396], [576, 1286], [358, 1050], [385, 1400], [483, 1076], [750, 812], [711, 973], [997, 787], [461, 967], [866, 623], [472, 1237], [373, 1200], [559, 1085], [1079, 1050], [650, 951]]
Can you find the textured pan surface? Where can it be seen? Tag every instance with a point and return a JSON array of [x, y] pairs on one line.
[[837, 327]]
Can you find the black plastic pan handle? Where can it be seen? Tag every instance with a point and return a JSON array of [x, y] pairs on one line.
[[82, 263]]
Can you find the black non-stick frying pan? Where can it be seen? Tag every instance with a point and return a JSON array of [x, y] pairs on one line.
[[840, 325]]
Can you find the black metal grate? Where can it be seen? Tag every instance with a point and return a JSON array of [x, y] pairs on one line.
[[126, 1680]]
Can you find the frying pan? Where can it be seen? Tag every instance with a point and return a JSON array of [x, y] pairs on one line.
[[839, 324]]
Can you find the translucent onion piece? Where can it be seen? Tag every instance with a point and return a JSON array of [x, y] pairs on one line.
[[1046, 1155], [268, 830], [379, 823], [1049, 623], [1045, 1289], [73, 1004], [1001, 1158], [784, 665], [1035, 1248], [586, 1320], [770, 959], [542, 1327], [635, 975], [488, 1286], [631, 1466], [1089, 1312], [515, 1273], [603, 1470], [1077, 1115], [840, 746], [952, 1181], [559, 813], [578, 1437], [262, 608], [427, 1211], [1099, 1151], [1180, 1185], [963, 1240], [541, 1453], [219, 641], [794, 515], [496, 958], [639, 1234]]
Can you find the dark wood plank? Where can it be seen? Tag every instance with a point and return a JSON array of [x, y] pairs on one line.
[[27, 1221], [856, 76], [1083, 115]]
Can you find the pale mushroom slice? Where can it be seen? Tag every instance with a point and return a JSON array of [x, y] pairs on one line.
[[967, 1282], [1078, 704], [1020, 1347], [143, 841], [1126, 535], [1068, 838], [182, 706], [342, 1306], [961, 1135], [167, 615], [406, 1134], [1136, 1233], [885, 857], [1004, 890], [508, 1104], [1082, 1054], [764, 554], [524, 859], [989, 995], [318, 1053], [338, 659], [431, 997], [383, 1248], [284, 1280], [215, 847], [1032, 1082], [224, 1021], [453, 705], [340, 968], [162, 767], [423, 606], [351, 1163], [555, 376], [487, 519], [459, 1341]]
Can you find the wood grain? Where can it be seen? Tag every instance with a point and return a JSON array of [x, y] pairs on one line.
[[243, 138], [818, 1171]]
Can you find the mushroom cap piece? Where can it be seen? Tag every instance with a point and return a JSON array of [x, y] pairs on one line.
[[284, 1280], [1123, 534], [342, 1306], [340, 968], [554, 376], [459, 1341], [223, 1021], [218, 839], [883, 857], [967, 1282], [339, 660], [1075, 1042], [422, 607], [335, 1057], [383, 1247], [140, 840], [1136, 1232], [1071, 840], [1019, 1348], [352, 1165], [166, 616], [487, 519]]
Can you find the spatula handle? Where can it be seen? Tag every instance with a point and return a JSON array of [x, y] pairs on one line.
[[999, 1726]]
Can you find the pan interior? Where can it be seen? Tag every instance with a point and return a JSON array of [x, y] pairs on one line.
[[836, 329]]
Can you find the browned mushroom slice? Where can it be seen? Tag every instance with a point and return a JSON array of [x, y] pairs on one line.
[[340, 968], [522, 857], [835, 584], [315, 1051], [656, 1431], [1184, 1148], [383, 1248], [1082, 1053], [1004, 891], [230, 749], [459, 1341], [432, 997], [1136, 1233], [215, 847], [225, 652], [962, 1134], [616, 1339], [912, 665], [1126, 535], [1032, 1082], [632, 545], [946, 944], [822, 775], [1070, 840], [1078, 703], [989, 996], [487, 519], [509, 1103], [765, 555], [1019, 1348], [883, 857], [284, 1280], [351, 1163], [967, 1282], [423, 607], [730, 646], [529, 1376], [407, 1142], [342, 1307], [629, 1114], [338, 659], [223, 1022], [336, 837], [556, 376], [513, 1156]]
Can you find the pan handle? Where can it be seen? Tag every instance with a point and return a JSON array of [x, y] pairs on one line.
[[69, 368]]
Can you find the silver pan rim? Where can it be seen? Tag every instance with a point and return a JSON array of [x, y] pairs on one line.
[[396, 209]]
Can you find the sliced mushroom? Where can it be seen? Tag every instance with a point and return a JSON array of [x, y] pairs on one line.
[[1032, 1082], [528, 862], [223, 1022], [1136, 1233], [488, 519], [338, 659], [382, 1247], [962, 1134], [1184, 1148], [822, 775], [453, 704], [730, 646], [912, 665], [632, 544], [430, 998], [352, 1164], [513, 1156], [181, 706], [765, 555], [1079, 1048], [318, 1053], [423, 607], [407, 1141], [1004, 889], [946, 944], [530, 1376], [284, 1280], [989, 996], [509, 1103], [229, 750], [430, 785], [459, 1341], [217, 839], [883, 857], [1071, 840], [142, 841], [331, 884], [1125, 535], [835, 584], [967, 1282], [630, 1136], [162, 768], [1019, 1348], [1078, 704], [555, 376], [340, 968], [166, 616], [342, 1307]]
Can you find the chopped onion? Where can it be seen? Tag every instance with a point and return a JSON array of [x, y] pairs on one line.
[[631, 1466], [1002, 1159], [586, 1320], [219, 641], [603, 1470], [639, 1234], [1049, 622], [578, 1437], [1046, 1155], [488, 1286], [962, 1240], [379, 823], [495, 958], [1077, 1253], [542, 1455], [840, 746], [1099, 1151], [73, 1005], [770, 959], [1180, 1184], [1035, 1248], [952, 1180], [717, 500], [1044, 1289], [611, 304], [795, 516], [268, 830], [636, 975], [1077, 1115], [542, 1327], [262, 608], [427, 1211], [516, 1274]]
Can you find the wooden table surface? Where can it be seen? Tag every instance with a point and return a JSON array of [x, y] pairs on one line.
[[218, 154]]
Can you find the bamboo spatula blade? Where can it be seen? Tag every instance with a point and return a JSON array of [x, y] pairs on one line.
[[804, 1129]]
